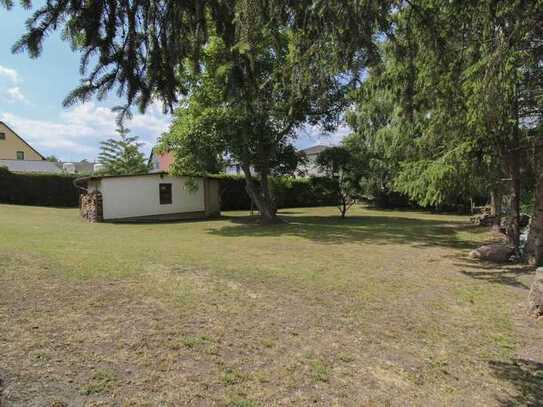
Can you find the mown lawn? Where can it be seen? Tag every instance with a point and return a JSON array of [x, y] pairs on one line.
[[383, 308]]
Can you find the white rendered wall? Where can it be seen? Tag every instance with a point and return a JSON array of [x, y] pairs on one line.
[[126, 197]]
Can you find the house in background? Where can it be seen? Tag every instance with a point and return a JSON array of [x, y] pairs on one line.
[[311, 168], [19, 156], [161, 162], [83, 167]]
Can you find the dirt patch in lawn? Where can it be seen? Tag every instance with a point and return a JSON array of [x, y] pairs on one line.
[[187, 336]]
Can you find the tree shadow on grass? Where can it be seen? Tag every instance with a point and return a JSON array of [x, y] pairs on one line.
[[527, 379], [507, 274], [356, 229]]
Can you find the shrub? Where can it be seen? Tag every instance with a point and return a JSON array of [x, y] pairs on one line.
[[288, 192], [38, 189], [58, 190]]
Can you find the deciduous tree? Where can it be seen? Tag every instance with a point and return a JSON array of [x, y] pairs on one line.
[[278, 64], [338, 164]]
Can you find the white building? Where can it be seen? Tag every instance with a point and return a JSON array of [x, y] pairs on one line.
[[311, 169], [148, 197]]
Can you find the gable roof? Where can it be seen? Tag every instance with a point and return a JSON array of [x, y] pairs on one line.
[[43, 166], [315, 149], [22, 139]]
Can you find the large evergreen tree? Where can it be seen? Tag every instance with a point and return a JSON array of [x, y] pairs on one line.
[[122, 156], [466, 84]]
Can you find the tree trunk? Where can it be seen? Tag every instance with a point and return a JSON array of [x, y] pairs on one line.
[[534, 247], [343, 207], [261, 196], [515, 201], [513, 157], [496, 201]]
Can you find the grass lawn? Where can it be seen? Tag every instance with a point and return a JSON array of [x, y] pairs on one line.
[[383, 308]]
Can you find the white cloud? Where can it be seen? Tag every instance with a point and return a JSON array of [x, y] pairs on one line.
[[9, 79], [10, 74], [313, 135], [15, 94], [77, 133]]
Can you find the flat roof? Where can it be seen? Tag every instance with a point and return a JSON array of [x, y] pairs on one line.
[[97, 177]]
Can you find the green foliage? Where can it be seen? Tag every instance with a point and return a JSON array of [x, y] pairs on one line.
[[38, 189], [288, 192], [122, 157], [377, 142], [102, 381], [250, 72], [4, 170], [319, 371], [150, 49], [256, 127], [442, 118], [231, 377], [339, 165]]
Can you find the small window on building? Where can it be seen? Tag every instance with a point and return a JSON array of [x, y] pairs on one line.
[[165, 194], [20, 155], [2, 136]]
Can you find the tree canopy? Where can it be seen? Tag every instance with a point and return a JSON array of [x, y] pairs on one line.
[[122, 156], [449, 111], [266, 66], [446, 94], [338, 164]]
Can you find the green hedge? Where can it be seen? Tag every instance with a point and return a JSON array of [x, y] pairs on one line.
[[288, 192], [58, 190], [38, 189]]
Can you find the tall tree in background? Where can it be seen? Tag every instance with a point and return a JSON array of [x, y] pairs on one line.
[[376, 143], [466, 83], [122, 156], [534, 246], [307, 52]]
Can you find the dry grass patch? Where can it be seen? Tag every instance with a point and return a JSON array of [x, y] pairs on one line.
[[379, 309]]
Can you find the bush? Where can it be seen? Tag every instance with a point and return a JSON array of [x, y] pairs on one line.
[[58, 190], [303, 192], [233, 193], [288, 192], [38, 189]]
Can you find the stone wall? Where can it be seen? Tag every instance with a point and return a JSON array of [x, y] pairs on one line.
[[90, 206]]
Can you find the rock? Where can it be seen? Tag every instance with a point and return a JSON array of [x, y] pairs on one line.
[[535, 298], [498, 253]]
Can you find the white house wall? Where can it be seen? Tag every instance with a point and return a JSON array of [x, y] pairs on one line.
[[126, 197]]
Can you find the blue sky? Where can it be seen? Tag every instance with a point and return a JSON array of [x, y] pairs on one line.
[[32, 91]]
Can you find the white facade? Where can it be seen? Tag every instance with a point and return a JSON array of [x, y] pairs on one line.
[[150, 195], [311, 168], [69, 168]]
